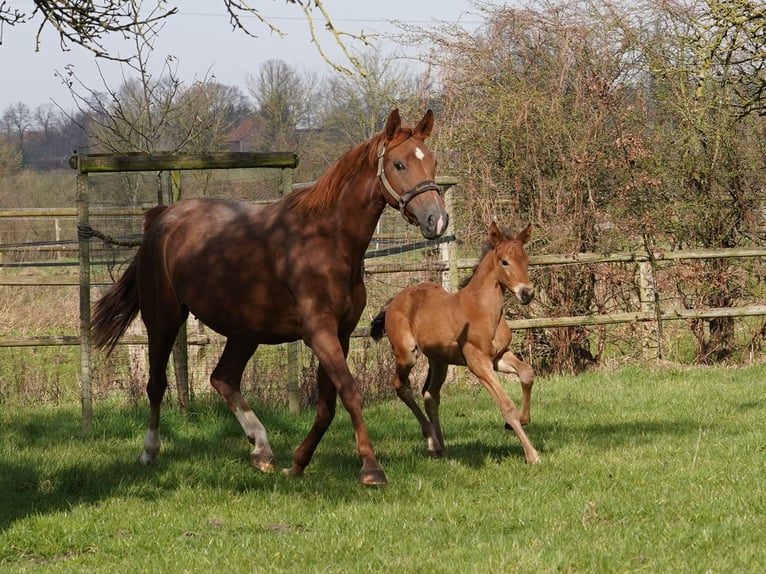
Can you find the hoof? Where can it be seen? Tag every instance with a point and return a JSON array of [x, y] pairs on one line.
[[436, 454], [534, 459], [294, 470], [145, 459], [266, 466], [375, 477]]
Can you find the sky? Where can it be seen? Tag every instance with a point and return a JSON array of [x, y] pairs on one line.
[[200, 36]]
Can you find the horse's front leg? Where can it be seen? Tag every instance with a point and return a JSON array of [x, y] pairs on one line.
[[332, 358], [508, 363], [481, 366], [326, 399], [227, 379]]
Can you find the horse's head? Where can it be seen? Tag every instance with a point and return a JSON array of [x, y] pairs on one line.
[[406, 168], [511, 262]]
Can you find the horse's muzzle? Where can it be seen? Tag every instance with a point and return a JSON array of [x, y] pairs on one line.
[[525, 294], [427, 210]]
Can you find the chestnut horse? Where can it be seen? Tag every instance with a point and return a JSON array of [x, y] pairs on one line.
[[464, 328], [273, 274]]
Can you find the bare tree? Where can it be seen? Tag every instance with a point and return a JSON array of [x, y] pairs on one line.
[[357, 106], [10, 157], [88, 23], [613, 126], [284, 99], [17, 120]]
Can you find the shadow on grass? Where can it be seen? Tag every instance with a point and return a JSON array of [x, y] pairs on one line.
[[474, 451], [48, 464]]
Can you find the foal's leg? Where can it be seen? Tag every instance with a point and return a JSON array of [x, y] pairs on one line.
[[437, 373], [506, 362], [404, 391], [404, 348], [481, 366], [227, 379], [509, 363]]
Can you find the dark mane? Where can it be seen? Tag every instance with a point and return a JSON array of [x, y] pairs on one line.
[[324, 192]]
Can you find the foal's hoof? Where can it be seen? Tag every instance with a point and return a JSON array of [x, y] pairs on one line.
[[522, 421], [533, 459], [265, 465], [374, 477]]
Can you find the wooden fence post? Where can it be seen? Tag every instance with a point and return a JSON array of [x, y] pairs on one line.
[[449, 251], [180, 347], [650, 343], [83, 240]]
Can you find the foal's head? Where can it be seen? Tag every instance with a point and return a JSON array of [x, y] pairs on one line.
[[511, 261]]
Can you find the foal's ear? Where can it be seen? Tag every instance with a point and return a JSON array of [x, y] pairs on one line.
[[426, 125], [495, 235], [393, 124], [524, 236]]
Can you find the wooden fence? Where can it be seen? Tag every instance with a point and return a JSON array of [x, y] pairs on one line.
[[449, 265]]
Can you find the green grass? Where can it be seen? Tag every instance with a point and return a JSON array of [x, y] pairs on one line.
[[643, 470]]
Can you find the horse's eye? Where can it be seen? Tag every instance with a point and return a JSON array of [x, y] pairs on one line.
[[504, 262], [399, 165]]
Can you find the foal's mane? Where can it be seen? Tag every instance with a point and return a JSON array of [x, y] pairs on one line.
[[485, 248], [325, 191]]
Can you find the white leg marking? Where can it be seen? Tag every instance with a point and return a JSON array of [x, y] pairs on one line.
[[253, 427], [151, 447]]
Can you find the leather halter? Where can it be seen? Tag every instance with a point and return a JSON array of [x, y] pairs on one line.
[[403, 199]]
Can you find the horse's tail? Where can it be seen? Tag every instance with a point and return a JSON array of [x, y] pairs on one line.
[[378, 325], [116, 310]]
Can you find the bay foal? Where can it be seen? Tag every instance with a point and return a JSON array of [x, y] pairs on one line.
[[465, 328]]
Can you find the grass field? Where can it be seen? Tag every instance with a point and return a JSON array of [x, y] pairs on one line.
[[643, 471]]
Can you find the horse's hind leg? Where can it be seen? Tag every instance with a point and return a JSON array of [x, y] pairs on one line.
[[509, 363], [227, 379], [405, 360], [161, 340], [437, 373]]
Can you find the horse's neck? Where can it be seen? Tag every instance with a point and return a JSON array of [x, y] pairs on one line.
[[359, 210], [484, 288]]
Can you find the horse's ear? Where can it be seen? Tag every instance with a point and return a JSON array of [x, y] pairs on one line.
[[495, 235], [426, 125], [393, 124], [525, 235]]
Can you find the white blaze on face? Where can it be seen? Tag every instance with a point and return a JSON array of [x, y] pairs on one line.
[[419, 153]]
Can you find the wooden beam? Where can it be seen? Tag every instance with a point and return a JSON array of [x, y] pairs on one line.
[[109, 163]]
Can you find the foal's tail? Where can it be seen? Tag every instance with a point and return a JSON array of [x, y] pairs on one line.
[[378, 325], [116, 310]]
